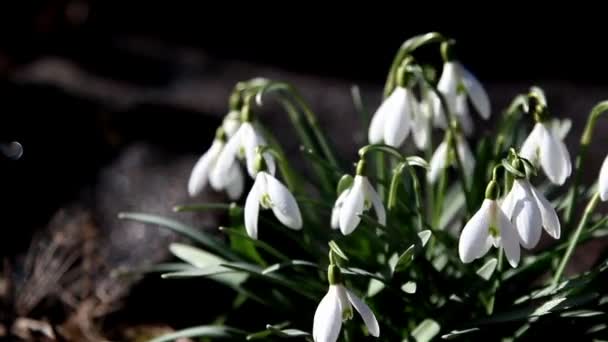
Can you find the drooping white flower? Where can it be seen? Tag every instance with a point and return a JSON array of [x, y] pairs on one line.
[[336, 306], [603, 180], [422, 116], [202, 173], [441, 159], [243, 144], [269, 193], [231, 122], [543, 146], [360, 197], [392, 121], [457, 84], [489, 226], [335, 212], [530, 211]]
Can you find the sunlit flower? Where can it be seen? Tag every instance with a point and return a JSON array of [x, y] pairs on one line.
[[392, 121], [603, 181], [457, 85], [335, 212], [489, 226], [231, 122], [269, 193], [442, 158], [243, 144], [353, 202], [543, 146], [421, 119], [336, 306], [203, 171], [529, 211]]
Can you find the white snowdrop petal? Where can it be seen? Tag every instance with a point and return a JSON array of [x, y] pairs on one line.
[[526, 215], [549, 216], [202, 169], [555, 163], [373, 196], [529, 149], [228, 156], [438, 162], [474, 236], [252, 206], [335, 212], [421, 114], [352, 207], [366, 314], [284, 205], [466, 156], [398, 118], [328, 318], [461, 111], [236, 182], [376, 126], [509, 239], [477, 93], [508, 203], [603, 180], [231, 122], [448, 85]]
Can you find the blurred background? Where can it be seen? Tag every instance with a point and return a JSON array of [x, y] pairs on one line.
[[114, 101]]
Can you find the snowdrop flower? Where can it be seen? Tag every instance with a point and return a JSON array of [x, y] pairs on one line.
[[530, 211], [442, 158], [336, 306], [202, 171], [489, 226], [269, 193], [542, 145], [243, 143], [422, 116], [231, 122], [457, 85], [360, 197], [392, 121], [603, 181]]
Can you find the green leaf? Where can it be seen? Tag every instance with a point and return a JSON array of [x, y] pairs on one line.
[[409, 287], [458, 333], [405, 259], [426, 330], [345, 182], [336, 249], [207, 206], [582, 313], [486, 271], [290, 263], [208, 264], [204, 239], [201, 331]]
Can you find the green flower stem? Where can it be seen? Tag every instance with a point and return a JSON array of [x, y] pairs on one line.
[[396, 180], [406, 49], [380, 174], [497, 280], [593, 202], [586, 138]]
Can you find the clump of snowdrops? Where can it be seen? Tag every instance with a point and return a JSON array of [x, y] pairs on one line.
[[423, 237]]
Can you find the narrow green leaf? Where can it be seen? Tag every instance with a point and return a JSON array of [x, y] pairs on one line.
[[290, 263], [205, 239], [582, 313], [201, 331], [208, 264], [458, 333], [405, 259], [426, 330], [374, 287], [336, 249], [417, 161], [206, 207], [486, 271]]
